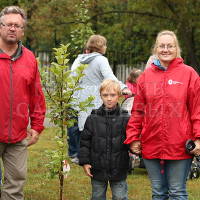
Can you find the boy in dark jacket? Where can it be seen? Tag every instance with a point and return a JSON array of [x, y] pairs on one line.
[[102, 154]]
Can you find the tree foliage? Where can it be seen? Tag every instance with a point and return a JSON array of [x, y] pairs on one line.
[[129, 25], [62, 105], [82, 28]]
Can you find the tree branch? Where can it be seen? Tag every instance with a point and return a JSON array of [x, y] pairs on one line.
[[171, 8], [117, 12], [131, 12]]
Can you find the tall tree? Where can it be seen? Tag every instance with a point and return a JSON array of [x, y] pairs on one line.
[[129, 25], [82, 28], [135, 24]]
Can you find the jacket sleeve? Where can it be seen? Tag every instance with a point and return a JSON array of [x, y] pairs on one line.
[[75, 64], [107, 72], [85, 143], [134, 126], [37, 106], [194, 104]]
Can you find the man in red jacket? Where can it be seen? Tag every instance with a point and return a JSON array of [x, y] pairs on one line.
[[21, 98]]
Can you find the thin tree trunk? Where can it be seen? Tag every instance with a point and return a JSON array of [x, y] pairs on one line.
[[61, 178], [188, 40]]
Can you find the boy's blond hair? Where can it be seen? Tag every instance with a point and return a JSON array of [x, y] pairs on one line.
[[109, 84]]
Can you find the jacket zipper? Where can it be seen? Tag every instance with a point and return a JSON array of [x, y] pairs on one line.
[[111, 134], [11, 103], [109, 144], [163, 115]]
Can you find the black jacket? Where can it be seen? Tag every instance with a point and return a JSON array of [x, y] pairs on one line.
[[102, 144]]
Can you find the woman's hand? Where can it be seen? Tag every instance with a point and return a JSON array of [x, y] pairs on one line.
[[196, 150], [135, 147]]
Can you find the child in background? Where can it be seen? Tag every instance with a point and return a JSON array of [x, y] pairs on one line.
[[103, 154], [150, 61], [131, 81]]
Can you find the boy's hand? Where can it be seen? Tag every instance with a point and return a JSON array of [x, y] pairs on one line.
[[87, 170], [126, 91], [135, 147]]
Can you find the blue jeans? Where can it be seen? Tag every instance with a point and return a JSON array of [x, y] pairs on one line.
[[73, 141], [119, 190], [168, 179]]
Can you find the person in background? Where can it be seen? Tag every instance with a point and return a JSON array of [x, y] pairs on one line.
[[131, 81], [103, 154], [73, 132], [150, 61], [21, 98], [165, 115], [73, 142], [97, 70]]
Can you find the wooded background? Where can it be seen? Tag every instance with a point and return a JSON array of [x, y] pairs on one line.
[[130, 26]]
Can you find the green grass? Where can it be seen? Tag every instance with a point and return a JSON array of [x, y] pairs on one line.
[[77, 185]]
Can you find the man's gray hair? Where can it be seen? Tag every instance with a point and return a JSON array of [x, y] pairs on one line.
[[13, 10]]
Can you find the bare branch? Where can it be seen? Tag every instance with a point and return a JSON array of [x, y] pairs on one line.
[[118, 12], [171, 8], [132, 12]]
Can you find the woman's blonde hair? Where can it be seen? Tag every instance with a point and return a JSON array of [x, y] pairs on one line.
[[96, 43], [109, 84], [171, 33]]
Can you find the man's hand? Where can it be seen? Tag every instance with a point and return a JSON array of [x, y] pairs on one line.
[[33, 137], [87, 169], [135, 147]]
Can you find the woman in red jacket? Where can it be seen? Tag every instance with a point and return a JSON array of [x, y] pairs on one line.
[[165, 115]]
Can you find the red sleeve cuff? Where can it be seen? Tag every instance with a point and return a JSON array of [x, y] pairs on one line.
[[37, 128]]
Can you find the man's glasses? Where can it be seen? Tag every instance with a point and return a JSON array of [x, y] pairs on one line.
[[9, 26], [168, 46]]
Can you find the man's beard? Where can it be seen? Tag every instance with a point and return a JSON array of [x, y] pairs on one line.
[[11, 42]]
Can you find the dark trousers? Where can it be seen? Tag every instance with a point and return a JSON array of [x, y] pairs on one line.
[[73, 141]]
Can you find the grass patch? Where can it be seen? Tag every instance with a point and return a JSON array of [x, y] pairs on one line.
[[77, 185]]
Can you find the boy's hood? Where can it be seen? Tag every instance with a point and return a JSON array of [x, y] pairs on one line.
[[87, 58]]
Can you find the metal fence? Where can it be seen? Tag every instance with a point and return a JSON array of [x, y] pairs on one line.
[[120, 62]]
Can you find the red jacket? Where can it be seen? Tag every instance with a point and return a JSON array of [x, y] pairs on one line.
[[21, 96], [166, 111], [132, 87]]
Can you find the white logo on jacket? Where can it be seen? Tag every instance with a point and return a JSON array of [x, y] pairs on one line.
[[171, 82]]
